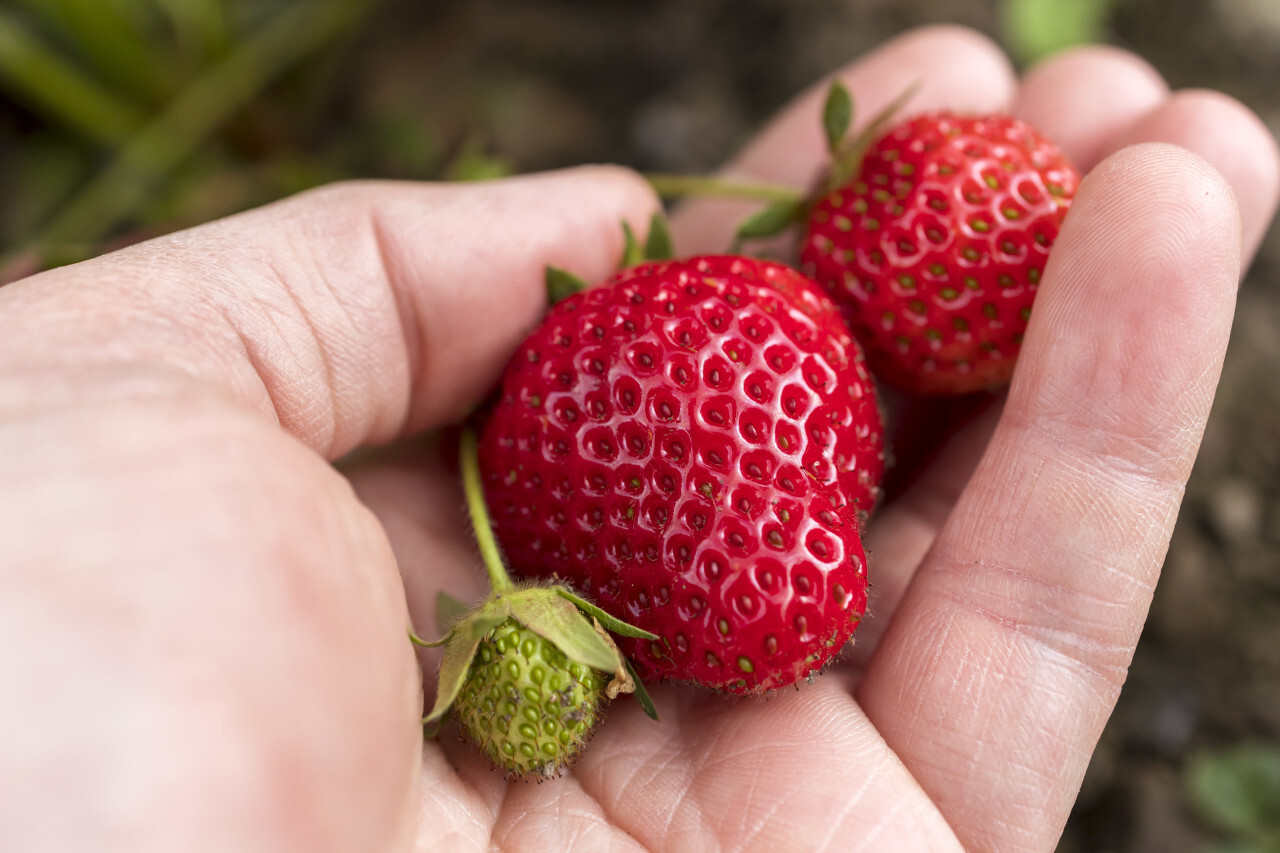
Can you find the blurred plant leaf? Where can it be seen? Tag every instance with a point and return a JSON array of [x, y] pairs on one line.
[[770, 220], [37, 74], [1034, 29], [658, 246], [1237, 791], [474, 163], [122, 41], [124, 187], [837, 116], [43, 172], [201, 28]]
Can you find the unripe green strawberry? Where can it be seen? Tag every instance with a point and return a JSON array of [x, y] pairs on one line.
[[528, 669], [525, 704]]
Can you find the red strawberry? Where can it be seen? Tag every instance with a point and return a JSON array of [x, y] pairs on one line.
[[693, 446], [934, 250]]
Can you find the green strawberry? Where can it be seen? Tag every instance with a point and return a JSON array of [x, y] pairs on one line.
[[527, 671], [525, 703]]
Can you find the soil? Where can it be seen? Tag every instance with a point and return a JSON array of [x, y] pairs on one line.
[[676, 85]]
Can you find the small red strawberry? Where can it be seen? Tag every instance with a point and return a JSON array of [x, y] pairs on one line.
[[937, 245], [932, 237], [693, 445]]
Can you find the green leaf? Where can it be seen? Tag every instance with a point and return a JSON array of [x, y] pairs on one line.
[[606, 620], [642, 695], [551, 616], [770, 221], [463, 641], [658, 246], [1238, 790], [1033, 29], [472, 163], [562, 284], [449, 611], [837, 115], [847, 162], [427, 644], [631, 252]]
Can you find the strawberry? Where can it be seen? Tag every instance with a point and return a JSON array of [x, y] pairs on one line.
[[528, 670], [935, 248], [931, 236], [525, 703], [693, 445]]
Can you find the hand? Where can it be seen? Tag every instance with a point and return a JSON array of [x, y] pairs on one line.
[[202, 622]]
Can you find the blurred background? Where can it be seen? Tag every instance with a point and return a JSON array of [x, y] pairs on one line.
[[123, 119]]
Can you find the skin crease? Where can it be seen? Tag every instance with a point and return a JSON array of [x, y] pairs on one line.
[[202, 621]]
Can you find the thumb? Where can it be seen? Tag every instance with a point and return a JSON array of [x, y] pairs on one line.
[[351, 314]]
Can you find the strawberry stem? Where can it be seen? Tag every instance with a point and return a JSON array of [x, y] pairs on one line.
[[469, 460], [672, 186]]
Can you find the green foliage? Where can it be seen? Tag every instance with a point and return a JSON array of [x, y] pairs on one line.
[[157, 114], [837, 116], [1237, 792], [1033, 29], [473, 163]]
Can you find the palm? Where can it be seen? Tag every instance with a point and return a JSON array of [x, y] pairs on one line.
[[184, 554], [715, 773]]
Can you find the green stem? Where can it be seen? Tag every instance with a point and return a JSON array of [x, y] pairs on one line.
[[469, 460], [672, 186]]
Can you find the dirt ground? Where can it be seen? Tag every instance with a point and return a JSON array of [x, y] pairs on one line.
[[676, 85]]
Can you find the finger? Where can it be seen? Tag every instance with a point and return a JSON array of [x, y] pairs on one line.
[[1007, 653], [1082, 99], [1069, 94], [798, 771], [196, 617], [351, 314], [1232, 138], [898, 538], [689, 777], [420, 506], [955, 67], [1086, 99]]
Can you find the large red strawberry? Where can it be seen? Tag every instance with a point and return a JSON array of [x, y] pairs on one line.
[[693, 445], [936, 246]]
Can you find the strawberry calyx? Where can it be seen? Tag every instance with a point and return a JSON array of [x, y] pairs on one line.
[[785, 207], [564, 634]]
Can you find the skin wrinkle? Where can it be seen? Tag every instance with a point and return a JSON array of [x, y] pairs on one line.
[[624, 792], [434, 808], [412, 324], [1072, 470], [364, 316], [256, 324], [319, 430], [854, 799], [1071, 434], [1059, 643]]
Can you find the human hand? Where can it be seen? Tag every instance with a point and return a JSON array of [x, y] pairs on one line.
[[203, 623]]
